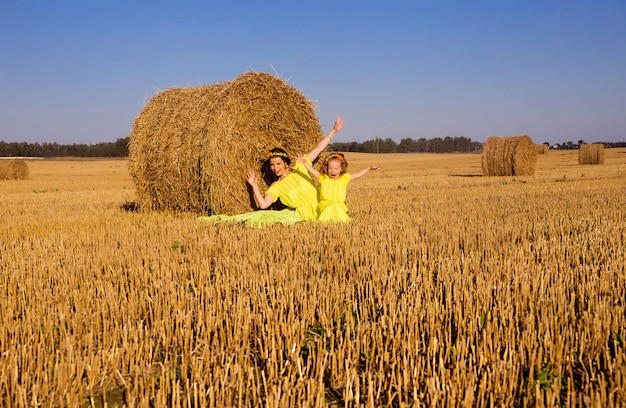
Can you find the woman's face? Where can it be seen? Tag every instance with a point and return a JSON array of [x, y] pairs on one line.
[[278, 166]]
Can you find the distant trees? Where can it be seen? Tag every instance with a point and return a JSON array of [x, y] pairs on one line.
[[119, 148], [569, 145], [447, 144], [408, 145]]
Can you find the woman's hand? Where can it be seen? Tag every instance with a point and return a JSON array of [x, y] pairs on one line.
[[338, 124], [313, 154], [252, 178], [301, 158]]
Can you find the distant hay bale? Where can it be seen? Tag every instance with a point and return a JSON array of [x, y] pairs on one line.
[[190, 148], [509, 156], [591, 153], [542, 148], [13, 169]]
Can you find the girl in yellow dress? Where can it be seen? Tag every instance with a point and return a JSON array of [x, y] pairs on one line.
[[294, 187], [333, 180]]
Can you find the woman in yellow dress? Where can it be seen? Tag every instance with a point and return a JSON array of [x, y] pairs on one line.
[[294, 187], [333, 180]]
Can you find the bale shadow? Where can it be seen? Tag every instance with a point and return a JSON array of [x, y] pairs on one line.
[[130, 206]]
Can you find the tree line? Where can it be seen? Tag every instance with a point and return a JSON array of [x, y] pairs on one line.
[[447, 144], [569, 145], [437, 145], [119, 148]]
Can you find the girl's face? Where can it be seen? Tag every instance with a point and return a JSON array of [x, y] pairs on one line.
[[278, 166], [334, 168]]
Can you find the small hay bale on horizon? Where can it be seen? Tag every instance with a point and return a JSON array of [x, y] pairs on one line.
[[542, 148], [14, 169], [509, 156], [591, 153], [190, 148]]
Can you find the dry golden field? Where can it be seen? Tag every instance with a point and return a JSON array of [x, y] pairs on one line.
[[448, 289]]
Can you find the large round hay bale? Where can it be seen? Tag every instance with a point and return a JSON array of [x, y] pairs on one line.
[[591, 153], [509, 156], [190, 148], [13, 169]]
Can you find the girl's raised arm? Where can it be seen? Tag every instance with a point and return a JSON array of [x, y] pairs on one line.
[[311, 169], [363, 172]]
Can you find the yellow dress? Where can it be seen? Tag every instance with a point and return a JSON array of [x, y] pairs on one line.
[[333, 198], [297, 191]]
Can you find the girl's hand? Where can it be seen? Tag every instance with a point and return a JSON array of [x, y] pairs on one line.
[[301, 158], [375, 167]]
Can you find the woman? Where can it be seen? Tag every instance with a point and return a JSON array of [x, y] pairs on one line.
[[294, 187]]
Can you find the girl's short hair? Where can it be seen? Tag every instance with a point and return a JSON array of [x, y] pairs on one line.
[[334, 156]]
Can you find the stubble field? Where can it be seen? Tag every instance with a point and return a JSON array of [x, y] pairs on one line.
[[447, 289]]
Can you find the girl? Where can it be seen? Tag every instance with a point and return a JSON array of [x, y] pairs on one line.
[[333, 181]]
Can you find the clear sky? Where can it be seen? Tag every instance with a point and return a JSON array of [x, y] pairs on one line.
[[81, 71]]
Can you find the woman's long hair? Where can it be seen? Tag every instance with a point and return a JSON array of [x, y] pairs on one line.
[[269, 177]]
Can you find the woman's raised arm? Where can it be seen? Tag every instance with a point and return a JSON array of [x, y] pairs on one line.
[[262, 201], [312, 155]]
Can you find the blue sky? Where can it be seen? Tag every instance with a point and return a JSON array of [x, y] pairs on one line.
[[81, 71]]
